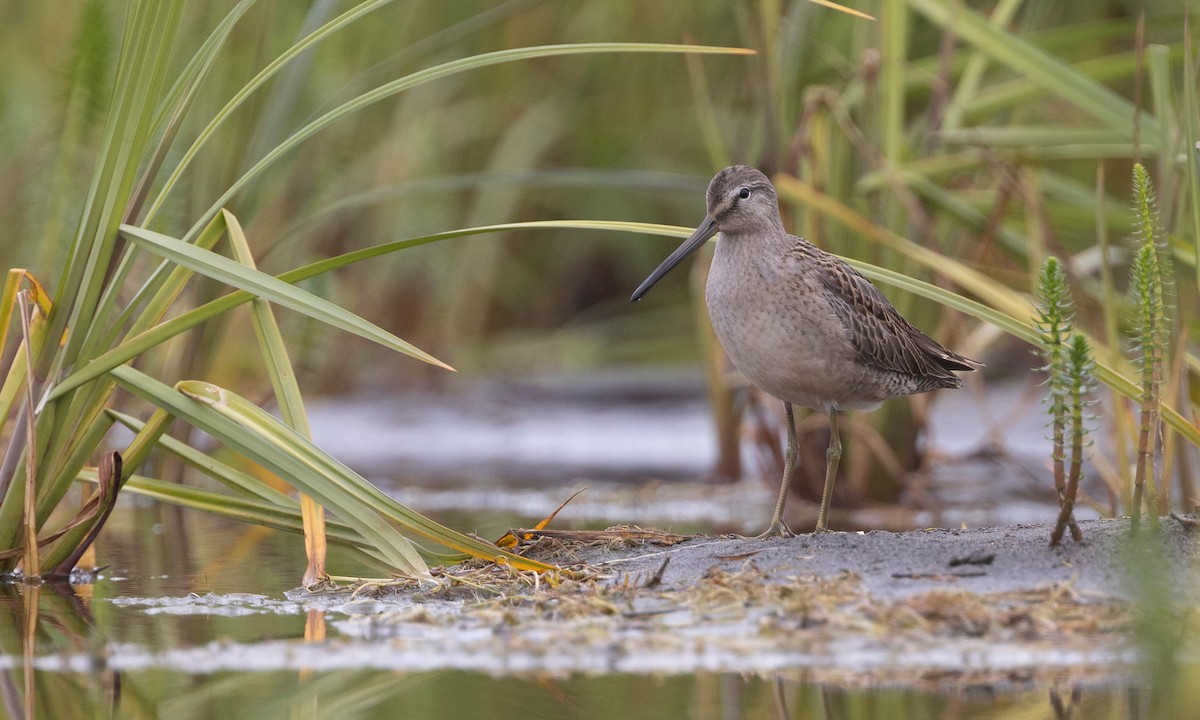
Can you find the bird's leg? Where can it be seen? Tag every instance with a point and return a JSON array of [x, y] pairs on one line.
[[832, 455], [778, 528]]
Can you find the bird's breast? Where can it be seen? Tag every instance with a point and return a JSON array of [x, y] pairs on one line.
[[778, 329]]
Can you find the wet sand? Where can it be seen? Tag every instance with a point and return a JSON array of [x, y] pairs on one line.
[[894, 565]]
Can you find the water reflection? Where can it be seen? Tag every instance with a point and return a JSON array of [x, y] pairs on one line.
[[367, 694], [46, 620]]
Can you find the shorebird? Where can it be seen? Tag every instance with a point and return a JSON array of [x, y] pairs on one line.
[[801, 324]]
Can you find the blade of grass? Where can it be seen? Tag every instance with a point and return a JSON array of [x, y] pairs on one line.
[[894, 48], [436, 72], [245, 428], [29, 558], [272, 68], [176, 103], [1159, 66], [140, 78], [161, 288], [14, 381], [968, 83], [287, 394], [285, 462], [253, 512], [994, 292], [178, 100], [14, 377], [271, 344], [223, 473], [842, 8], [221, 268], [247, 510], [152, 337], [1033, 136], [265, 426]]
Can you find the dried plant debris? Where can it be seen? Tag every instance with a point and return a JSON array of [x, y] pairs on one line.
[[620, 535], [746, 615]]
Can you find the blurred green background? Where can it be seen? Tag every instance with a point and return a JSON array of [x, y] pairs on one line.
[[990, 133], [615, 136]]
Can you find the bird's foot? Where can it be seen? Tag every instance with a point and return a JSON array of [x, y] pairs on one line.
[[778, 529]]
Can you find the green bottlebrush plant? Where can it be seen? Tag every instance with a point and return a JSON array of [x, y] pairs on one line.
[[1077, 372], [1056, 320], [1148, 272]]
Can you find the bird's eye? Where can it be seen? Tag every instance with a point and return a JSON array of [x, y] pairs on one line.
[[744, 193]]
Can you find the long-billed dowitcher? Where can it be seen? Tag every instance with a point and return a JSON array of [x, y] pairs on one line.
[[801, 324]]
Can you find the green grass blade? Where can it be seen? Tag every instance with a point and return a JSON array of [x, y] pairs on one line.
[[270, 340], [1033, 136], [223, 473], [130, 135], [221, 268], [255, 83], [968, 83], [166, 288], [287, 395], [437, 72], [282, 459], [200, 64], [152, 337], [264, 426], [178, 100], [894, 49], [247, 510], [146, 435], [14, 382], [991, 290]]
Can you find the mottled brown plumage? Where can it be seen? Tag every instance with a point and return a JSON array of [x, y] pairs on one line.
[[882, 338], [802, 324]]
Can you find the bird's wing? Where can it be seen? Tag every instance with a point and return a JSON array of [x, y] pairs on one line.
[[880, 335]]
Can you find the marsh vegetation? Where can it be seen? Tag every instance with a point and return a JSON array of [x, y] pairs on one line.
[[213, 211]]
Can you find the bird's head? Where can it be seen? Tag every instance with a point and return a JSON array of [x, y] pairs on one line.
[[741, 201]]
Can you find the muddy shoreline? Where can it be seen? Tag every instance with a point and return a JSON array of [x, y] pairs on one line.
[[897, 564], [935, 608]]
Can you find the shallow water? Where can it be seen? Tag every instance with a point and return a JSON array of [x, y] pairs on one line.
[[190, 619]]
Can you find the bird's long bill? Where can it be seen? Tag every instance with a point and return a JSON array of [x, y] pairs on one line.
[[707, 229]]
